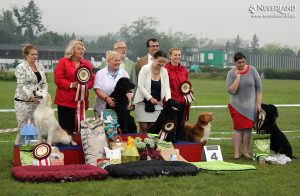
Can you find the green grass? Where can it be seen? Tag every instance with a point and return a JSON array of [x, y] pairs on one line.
[[266, 180]]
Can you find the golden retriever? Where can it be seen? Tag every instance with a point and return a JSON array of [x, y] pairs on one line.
[[47, 124], [199, 132]]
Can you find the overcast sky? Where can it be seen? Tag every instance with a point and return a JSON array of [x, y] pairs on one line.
[[210, 18]]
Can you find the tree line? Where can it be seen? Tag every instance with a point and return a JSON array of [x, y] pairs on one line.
[[25, 25]]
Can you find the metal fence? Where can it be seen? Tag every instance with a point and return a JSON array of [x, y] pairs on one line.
[[274, 62]]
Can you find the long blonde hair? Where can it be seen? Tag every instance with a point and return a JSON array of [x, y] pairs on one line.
[[71, 46]]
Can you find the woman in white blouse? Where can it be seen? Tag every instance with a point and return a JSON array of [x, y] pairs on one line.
[[153, 88], [106, 80]]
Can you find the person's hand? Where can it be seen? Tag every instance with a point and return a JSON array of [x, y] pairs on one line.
[[74, 84], [259, 107], [35, 99], [153, 101], [110, 101], [237, 73], [131, 107]]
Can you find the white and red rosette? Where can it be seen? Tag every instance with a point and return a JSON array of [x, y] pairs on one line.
[[83, 75], [168, 127], [41, 151], [187, 91]]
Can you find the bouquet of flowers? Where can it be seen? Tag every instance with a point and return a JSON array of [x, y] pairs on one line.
[[147, 148]]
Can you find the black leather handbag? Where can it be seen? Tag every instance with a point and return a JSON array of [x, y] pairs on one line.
[[149, 107]]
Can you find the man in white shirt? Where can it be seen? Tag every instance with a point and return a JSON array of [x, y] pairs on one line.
[[152, 47]]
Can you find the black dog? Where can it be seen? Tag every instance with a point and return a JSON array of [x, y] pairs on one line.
[[125, 120], [168, 113], [279, 142]]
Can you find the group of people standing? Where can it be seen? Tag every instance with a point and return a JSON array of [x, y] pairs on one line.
[[157, 77]]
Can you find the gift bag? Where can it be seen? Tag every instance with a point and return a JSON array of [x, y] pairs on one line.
[[114, 156], [171, 155], [28, 133], [118, 144], [93, 139], [56, 157], [26, 155], [261, 145], [130, 153], [162, 145]]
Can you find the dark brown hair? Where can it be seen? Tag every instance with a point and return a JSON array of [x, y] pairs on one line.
[[238, 56], [159, 54], [149, 40]]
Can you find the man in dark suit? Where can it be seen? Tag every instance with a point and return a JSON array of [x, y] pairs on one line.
[[152, 47]]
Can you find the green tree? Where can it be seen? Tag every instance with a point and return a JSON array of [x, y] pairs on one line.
[[107, 41], [67, 38], [271, 49], [255, 44], [237, 43], [287, 52], [30, 20], [50, 38], [276, 49], [137, 33], [9, 30]]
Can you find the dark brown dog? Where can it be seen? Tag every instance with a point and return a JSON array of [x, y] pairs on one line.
[[199, 132]]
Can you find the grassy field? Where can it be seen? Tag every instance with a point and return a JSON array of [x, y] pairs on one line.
[[266, 180]]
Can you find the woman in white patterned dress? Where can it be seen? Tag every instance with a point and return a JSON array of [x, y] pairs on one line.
[[30, 77]]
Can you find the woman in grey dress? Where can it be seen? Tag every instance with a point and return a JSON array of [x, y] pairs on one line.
[[245, 89]]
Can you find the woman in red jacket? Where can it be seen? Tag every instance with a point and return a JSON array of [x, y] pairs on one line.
[[177, 75], [66, 82]]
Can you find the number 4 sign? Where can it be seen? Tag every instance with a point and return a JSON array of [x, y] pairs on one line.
[[212, 153]]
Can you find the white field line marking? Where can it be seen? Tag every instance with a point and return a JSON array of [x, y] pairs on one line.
[[7, 141], [230, 132], [193, 107], [225, 106], [8, 130]]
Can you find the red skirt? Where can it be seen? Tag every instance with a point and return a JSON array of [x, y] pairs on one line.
[[239, 121]]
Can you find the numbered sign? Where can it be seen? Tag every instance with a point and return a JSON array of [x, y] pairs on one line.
[[212, 153]]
